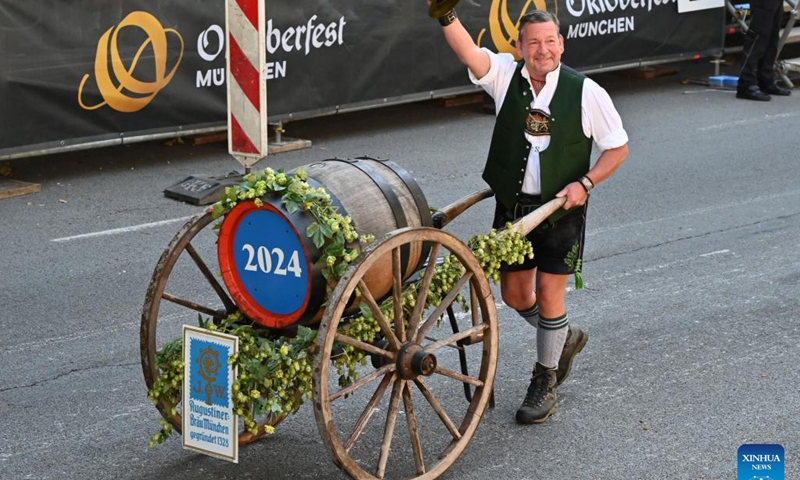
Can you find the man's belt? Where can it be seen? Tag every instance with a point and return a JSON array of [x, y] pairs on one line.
[[526, 204]]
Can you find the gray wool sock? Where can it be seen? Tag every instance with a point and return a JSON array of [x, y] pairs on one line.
[[551, 333], [531, 315]]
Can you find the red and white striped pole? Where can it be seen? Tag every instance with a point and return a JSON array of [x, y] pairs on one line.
[[247, 82]]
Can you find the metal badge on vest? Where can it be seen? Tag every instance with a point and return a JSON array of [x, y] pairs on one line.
[[538, 123]]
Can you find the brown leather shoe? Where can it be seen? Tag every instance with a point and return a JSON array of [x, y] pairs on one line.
[[540, 401], [576, 340]]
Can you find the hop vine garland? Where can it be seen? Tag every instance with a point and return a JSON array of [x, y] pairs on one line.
[[275, 374], [332, 232]]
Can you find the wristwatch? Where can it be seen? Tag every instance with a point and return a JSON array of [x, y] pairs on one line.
[[587, 185]]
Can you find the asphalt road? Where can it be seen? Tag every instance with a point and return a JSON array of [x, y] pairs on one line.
[[692, 268]]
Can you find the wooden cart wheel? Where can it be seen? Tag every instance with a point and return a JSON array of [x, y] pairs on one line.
[[184, 285], [417, 362]]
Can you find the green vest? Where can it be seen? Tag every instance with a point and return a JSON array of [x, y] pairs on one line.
[[565, 160]]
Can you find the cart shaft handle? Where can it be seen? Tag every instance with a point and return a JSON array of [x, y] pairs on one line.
[[532, 220], [450, 212]]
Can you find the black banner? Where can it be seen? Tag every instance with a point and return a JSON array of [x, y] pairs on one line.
[[88, 72]]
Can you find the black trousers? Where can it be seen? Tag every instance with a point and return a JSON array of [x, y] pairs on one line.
[[761, 44]]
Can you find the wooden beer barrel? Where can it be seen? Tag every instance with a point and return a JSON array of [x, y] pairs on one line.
[[271, 267]]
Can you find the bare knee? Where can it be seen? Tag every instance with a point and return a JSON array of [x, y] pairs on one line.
[[518, 301], [516, 289]]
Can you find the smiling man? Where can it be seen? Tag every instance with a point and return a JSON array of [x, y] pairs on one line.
[[548, 116]]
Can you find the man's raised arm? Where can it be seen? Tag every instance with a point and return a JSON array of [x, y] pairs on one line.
[[464, 47]]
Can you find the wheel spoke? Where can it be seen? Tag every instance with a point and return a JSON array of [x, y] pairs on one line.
[[437, 407], [364, 381], [431, 320], [413, 429], [376, 312], [445, 342], [422, 293], [458, 376], [473, 303], [226, 300], [397, 294], [391, 421], [369, 410], [363, 346], [193, 306], [456, 347]]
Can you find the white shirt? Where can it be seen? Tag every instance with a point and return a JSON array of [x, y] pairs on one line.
[[600, 120]]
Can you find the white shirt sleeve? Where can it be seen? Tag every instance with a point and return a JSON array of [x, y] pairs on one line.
[[499, 76], [600, 119]]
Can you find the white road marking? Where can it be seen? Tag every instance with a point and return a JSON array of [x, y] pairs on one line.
[[721, 126], [118, 231], [714, 253]]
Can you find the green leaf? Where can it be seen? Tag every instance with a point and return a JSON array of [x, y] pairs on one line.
[[328, 274], [291, 206], [292, 196], [230, 194], [306, 335], [312, 197], [315, 234], [259, 405], [326, 230], [366, 312], [340, 268], [217, 210], [336, 247]]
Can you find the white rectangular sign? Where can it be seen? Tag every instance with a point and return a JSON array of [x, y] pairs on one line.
[[685, 6], [209, 423]]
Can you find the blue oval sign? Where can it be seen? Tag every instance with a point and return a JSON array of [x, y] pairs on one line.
[[270, 262]]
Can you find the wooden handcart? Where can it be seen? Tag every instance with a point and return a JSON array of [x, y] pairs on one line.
[[405, 417]]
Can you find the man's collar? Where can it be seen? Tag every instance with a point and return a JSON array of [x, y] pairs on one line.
[[550, 76]]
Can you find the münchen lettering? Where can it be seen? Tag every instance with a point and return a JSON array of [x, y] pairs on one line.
[[305, 37], [601, 27], [579, 8], [207, 424]]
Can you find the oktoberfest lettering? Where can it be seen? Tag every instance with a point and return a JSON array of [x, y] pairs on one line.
[[579, 8], [304, 37]]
